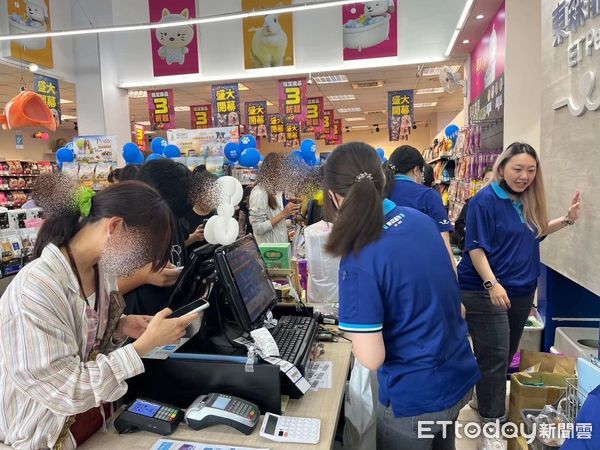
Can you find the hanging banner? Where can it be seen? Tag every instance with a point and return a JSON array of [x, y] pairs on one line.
[[31, 16], [161, 105], [174, 49], [292, 99], [292, 134], [401, 114], [49, 90], [268, 40], [256, 119], [276, 128], [370, 30], [226, 105], [335, 138], [328, 119], [314, 115], [201, 116], [140, 136]]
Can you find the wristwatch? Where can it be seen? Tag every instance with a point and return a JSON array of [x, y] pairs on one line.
[[489, 284], [568, 222]]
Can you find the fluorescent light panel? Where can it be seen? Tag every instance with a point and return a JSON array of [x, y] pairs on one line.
[[433, 71], [341, 98], [354, 119], [145, 123], [349, 110], [64, 101], [138, 94], [269, 103], [426, 105], [243, 87], [68, 117], [182, 108], [425, 91], [330, 79], [360, 127]]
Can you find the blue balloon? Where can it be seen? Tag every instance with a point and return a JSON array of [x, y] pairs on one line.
[[232, 151], [297, 154], [153, 156], [70, 145], [308, 147], [249, 157], [451, 131], [158, 145], [139, 158], [247, 141], [312, 161], [65, 154], [172, 151], [381, 154], [130, 152]]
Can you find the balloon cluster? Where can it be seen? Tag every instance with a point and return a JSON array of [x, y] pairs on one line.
[[160, 149], [451, 133], [223, 229], [245, 152]]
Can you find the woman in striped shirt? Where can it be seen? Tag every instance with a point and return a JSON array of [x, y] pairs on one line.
[[61, 318]]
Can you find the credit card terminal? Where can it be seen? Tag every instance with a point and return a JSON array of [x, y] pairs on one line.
[[214, 409], [148, 415]]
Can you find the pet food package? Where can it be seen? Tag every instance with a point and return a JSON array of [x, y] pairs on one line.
[[102, 172], [323, 268], [4, 224], [276, 256], [16, 218], [71, 170], [87, 174]]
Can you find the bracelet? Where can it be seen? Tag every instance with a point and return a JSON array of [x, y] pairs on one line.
[[567, 221]]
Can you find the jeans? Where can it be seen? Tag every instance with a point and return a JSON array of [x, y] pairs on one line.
[[402, 433], [496, 333]]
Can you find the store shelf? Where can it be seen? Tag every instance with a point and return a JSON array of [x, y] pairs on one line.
[[440, 158]]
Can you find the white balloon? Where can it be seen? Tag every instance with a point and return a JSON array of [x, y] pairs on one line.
[[230, 190], [225, 210], [222, 230], [210, 228]]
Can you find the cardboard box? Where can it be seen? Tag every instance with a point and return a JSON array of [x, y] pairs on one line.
[[276, 256]]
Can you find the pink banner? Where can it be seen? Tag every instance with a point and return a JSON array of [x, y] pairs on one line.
[[161, 105], [335, 138], [201, 116], [487, 60], [174, 49], [140, 136], [370, 30], [292, 99]]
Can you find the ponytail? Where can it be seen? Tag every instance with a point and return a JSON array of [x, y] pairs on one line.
[[354, 172], [57, 230]]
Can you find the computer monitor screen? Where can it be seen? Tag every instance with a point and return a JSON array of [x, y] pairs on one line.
[[249, 276]]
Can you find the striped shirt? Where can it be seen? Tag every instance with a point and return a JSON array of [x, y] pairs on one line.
[[44, 375]]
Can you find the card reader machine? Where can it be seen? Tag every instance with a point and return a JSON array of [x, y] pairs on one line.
[[213, 409], [150, 416]]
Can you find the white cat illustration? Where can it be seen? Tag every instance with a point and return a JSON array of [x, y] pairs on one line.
[[174, 40]]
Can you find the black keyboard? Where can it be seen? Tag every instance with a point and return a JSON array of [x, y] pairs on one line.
[[290, 334]]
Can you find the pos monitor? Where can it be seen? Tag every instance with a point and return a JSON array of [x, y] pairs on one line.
[[244, 278]]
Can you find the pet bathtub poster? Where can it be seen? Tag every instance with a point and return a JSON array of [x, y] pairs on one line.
[[30, 16], [370, 29], [401, 114], [268, 40], [175, 49]]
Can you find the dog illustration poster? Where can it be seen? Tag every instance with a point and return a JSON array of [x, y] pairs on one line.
[[256, 119], [401, 114], [30, 16], [174, 49], [226, 105], [268, 40], [370, 29]]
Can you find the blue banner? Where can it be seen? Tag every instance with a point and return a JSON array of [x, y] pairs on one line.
[[401, 114], [49, 90]]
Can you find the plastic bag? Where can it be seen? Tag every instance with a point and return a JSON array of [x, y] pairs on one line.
[[323, 268], [549, 422], [359, 407]]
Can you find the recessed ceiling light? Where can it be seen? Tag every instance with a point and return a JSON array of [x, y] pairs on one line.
[[466, 41], [426, 105], [182, 108], [33, 67], [64, 101], [479, 16], [433, 71], [341, 98], [424, 91], [349, 110], [330, 79], [355, 119], [138, 94], [68, 117], [243, 87]]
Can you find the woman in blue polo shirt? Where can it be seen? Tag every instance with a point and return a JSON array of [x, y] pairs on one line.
[[498, 274], [405, 188], [400, 302]]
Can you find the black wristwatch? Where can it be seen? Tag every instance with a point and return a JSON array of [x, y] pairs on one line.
[[489, 284]]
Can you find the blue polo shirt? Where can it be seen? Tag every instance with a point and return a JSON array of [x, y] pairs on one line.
[[495, 223], [587, 427], [404, 286], [407, 192]]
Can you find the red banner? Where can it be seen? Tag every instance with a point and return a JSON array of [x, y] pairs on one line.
[[292, 99], [314, 115], [162, 109], [328, 119], [335, 138], [201, 116], [140, 136]]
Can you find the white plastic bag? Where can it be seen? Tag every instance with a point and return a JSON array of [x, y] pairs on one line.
[[323, 268], [359, 407]]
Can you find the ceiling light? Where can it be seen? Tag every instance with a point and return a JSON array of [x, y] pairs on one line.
[[149, 132], [424, 91], [434, 71], [145, 123], [138, 94], [354, 119], [349, 110], [360, 127], [243, 87], [68, 117], [341, 98], [269, 103], [330, 79], [182, 108], [466, 41], [191, 21], [461, 22], [33, 67], [64, 101], [425, 105], [479, 16]]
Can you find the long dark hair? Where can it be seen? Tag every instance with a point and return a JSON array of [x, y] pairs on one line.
[[402, 160], [140, 206], [270, 176], [354, 171], [172, 180]]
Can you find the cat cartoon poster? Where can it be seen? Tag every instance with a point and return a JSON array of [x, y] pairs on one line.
[[174, 49]]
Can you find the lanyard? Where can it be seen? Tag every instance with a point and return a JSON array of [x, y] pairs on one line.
[[74, 266]]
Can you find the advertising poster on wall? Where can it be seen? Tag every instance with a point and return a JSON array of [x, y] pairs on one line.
[[226, 105], [95, 149], [292, 99], [314, 115], [161, 105], [335, 138], [292, 134], [174, 49], [49, 90], [268, 40], [401, 114], [201, 116], [276, 128], [370, 30], [203, 143], [256, 119], [328, 119], [31, 16]]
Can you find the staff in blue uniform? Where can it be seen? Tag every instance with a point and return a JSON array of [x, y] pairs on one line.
[[498, 274], [406, 189], [399, 302]]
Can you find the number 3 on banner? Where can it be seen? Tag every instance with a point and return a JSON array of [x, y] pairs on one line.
[[312, 112], [327, 122], [292, 95], [201, 118], [161, 105]]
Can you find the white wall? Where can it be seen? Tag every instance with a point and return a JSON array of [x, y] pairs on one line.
[[445, 119], [34, 149]]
